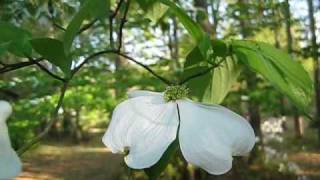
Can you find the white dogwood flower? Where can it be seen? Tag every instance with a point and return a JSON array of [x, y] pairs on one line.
[[10, 164], [148, 122]]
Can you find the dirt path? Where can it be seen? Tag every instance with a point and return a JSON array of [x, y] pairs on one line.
[[61, 160], [64, 161], [309, 163]]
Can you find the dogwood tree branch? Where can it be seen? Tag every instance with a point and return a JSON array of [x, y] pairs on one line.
[[166, 81], [111, 18], [123, 21], [56, 25], [43, 68], [127, 57], [202, 73], [12, 67], [94, 55], [53, 120]]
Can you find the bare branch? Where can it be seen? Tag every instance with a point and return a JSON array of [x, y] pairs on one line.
[[202, 73], [12, 67], [114, 14], [111, 17], [46, 70], [123, 21], [147, 68], [74, 71], [54, 118], [87, 26], [112, 51]]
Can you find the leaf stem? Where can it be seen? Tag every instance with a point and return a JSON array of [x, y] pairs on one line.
[[202, 73]]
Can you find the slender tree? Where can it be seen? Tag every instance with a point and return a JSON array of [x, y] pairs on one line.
[[298, 123], [315, 57]]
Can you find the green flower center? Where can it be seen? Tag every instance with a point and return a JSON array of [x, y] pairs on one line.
[[173, 93]]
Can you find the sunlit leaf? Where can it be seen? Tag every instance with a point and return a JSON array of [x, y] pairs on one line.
[[279, 68], [223, 77], [146, 4], [213, 86], [156, 11]]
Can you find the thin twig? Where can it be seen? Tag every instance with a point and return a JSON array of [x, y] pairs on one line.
[[87, 26], [123, 21], [74, 71], [111, 32], [51, 16], [13, 67], [146, 67], [27, 146], [58, 26], [113, 51], [46, 70], [202, 73], [114, 14], [2, 63], [111, 17]]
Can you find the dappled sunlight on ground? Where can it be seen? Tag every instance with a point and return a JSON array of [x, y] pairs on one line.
[[309, 162], [65, 161], [55, 160]]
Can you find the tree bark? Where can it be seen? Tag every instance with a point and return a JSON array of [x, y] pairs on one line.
[[298, 123], [315, 57], [253, 105]]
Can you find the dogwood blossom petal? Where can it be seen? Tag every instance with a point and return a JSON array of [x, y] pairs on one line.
[[137, 93], [10, 164], [210, 135], [146, 125]]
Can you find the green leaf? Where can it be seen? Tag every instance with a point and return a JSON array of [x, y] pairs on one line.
[[223, 77], [194, 64], [4, 47], [52, 50], [192, 27], [279, 68], [14, 39], [146, 4], [156, 11], [215, 85], [154, 171], [220, 48], [89, 9]]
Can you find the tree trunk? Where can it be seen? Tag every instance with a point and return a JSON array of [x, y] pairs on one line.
[[315, 56], [253, 106], [297, 121], [254, 118], [119, 76], [215, 4], [76, 131]]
